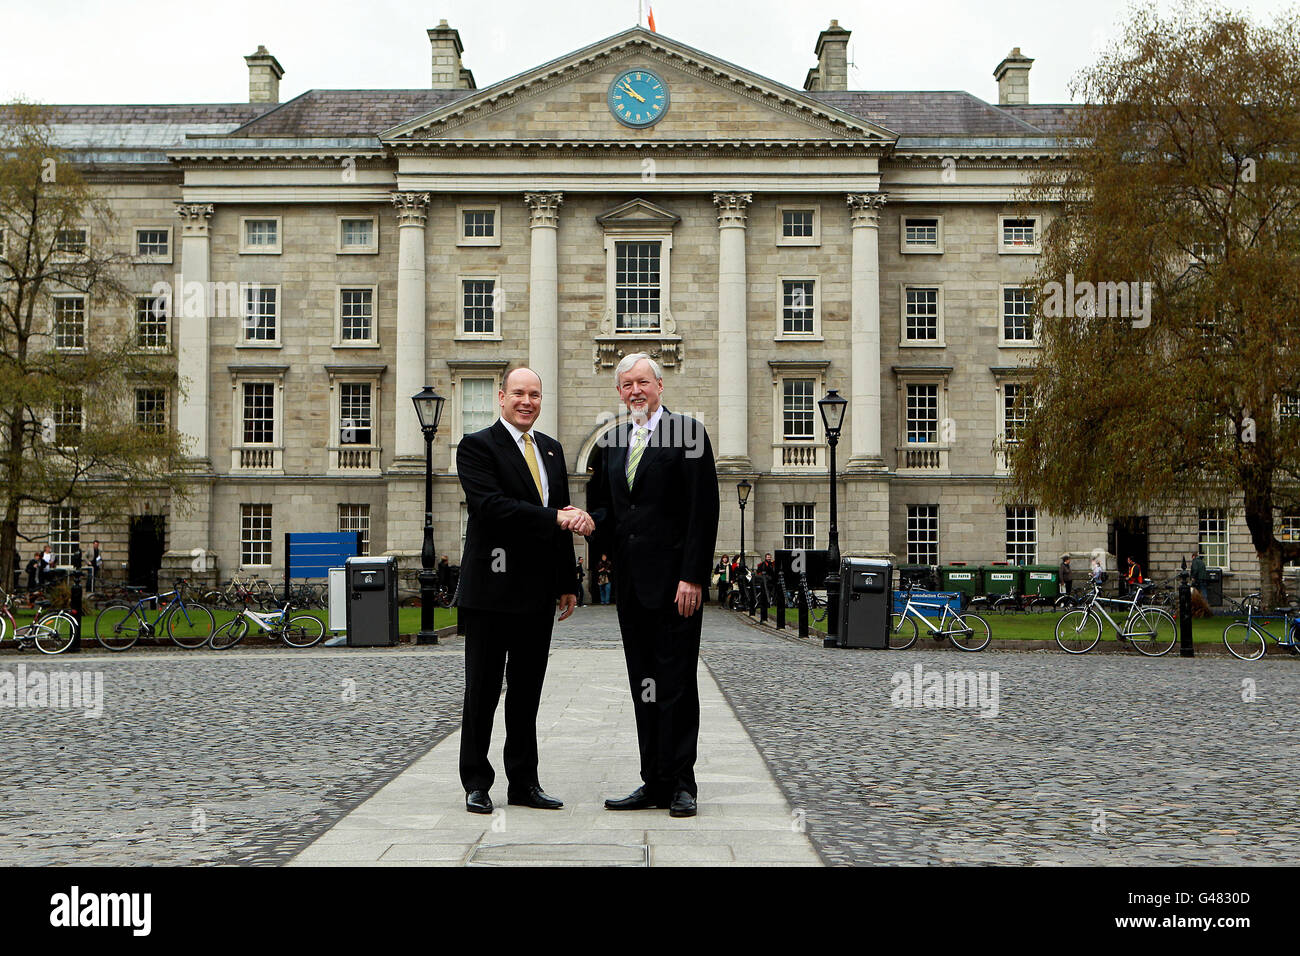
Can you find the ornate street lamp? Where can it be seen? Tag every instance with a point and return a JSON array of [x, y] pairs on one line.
[[428, 408], [743, 488], [832, 408]]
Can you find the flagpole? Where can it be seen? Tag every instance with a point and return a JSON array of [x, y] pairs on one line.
[[638, 11]]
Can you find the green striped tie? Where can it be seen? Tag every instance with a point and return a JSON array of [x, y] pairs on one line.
[[634, 456]]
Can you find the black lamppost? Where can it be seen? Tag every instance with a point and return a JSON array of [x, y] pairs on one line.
[[743, 488], [428, 408], [832, 408]]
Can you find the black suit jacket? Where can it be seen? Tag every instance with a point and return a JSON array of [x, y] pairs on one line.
[[664, 528], [516, 557]]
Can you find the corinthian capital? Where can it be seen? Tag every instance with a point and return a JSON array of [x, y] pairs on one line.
[[864, 208], [194, 217], [545, 208], [732, 207], [412, 208]]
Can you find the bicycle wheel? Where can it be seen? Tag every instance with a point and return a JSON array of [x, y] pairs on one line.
[[1154, 632], [1244, 641], [213, 599], [974, 635], [1077, 632], [190, 625], [303, 630], [117, 627], [902, 632], [54, 632], [228, 634]]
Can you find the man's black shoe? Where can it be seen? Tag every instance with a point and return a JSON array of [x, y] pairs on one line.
[[683, 804], [533, 797], [638, 799], [478, 801]]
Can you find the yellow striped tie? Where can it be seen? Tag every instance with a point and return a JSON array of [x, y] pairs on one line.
[[532, 466], [634, 456]]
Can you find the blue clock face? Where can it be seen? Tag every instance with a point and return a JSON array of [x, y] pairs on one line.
[[638, 98]]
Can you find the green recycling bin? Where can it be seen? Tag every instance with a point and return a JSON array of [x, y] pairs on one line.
[[968, 579], [1000, 579], [1041, 579]]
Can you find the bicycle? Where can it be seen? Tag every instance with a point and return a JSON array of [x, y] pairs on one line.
[[52, 631], [300, 630], [1247, 639], [1016, 601], [1151, 630], [189, 625], [971, 633]]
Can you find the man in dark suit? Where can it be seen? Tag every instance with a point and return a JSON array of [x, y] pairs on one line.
[[520, 521], [654, 494]]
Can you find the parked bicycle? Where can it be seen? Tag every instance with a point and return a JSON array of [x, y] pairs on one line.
[[1248, 639], [1150, 630], [816, 603], [52, 631], [969, 632], [189, 625], [1015, 601], [240, 591], [297, 630]]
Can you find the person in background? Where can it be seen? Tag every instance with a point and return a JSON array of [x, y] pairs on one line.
[[722, 571], [34, 572], [1066, 576], [581, 573], [603, 570], [93, 567], [767, 575], [1133, 576], [1097, 572]]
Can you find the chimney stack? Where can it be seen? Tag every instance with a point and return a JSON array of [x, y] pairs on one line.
[[832, 69], [448, 74], [264, 72], [1012, 75]]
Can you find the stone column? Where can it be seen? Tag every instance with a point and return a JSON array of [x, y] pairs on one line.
[[412, 364], [733, 358], [864, 391], [544, 304], [190, 313]]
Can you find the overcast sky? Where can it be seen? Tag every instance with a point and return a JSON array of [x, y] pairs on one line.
[[165, 51]]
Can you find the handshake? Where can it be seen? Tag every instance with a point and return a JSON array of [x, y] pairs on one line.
[[575, 519]]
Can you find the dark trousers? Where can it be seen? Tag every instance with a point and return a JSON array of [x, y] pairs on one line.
[[516, 646], [662, 650]]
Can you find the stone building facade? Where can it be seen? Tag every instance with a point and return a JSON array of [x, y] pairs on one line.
[[324, 258]]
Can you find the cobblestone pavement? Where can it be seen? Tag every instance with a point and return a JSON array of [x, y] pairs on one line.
[[1094, 760]]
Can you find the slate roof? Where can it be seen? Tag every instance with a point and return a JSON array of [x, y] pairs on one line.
[[929, 113], [1049, 117], [342, 113]]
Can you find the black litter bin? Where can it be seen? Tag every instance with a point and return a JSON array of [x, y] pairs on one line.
[[866, 598], [372, 601], [1214, 586]]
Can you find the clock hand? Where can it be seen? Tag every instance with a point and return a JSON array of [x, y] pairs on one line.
[[631, 91]]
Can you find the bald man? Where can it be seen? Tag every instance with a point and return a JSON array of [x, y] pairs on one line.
[[518, 565]]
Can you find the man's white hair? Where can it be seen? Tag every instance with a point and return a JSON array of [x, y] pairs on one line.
[[626, 363]]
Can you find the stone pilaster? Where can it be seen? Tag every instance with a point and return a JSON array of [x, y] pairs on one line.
[[544, 304], [864, 361], [733, 358], [412, 209]]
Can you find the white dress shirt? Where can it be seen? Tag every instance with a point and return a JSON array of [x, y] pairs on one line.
[[518, 436]]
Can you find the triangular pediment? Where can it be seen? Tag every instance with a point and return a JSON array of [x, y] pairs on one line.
[[638, 214], [565, 101]]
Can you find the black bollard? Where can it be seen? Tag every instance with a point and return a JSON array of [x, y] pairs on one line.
[[803, 606], [1185, 647], [74, 606], [762, 604], [780, 601]]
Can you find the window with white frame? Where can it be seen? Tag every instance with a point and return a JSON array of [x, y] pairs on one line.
[[1289, 531], [921, 234], [1017, 400], [355, 425], [154, 242], [1212, 535], [151, 322], [921, 423], [259, 413], [70, 241], [357, 316], [260, 236], [353, 518], [1017, 316], [65, 532], [478, 225], [922, 534], [478, 405], [799, 226], [358, 234], [255, 536], [798, 409], [261, 315], [922, 315], [799, 526], [70, 322], [151, 409], [1288, 406], [69, 417], [636, 286], [478, 308], [799, 307], [1018, 234], [1022, 536]]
